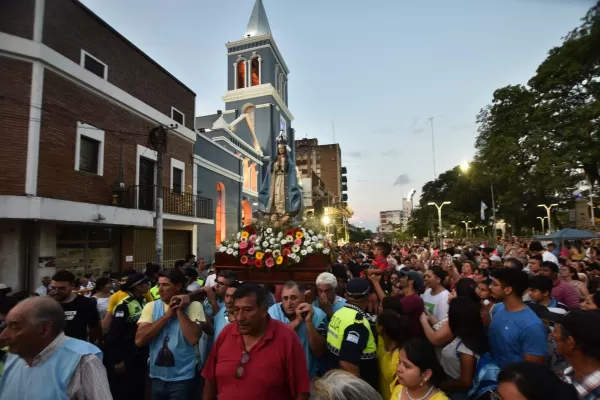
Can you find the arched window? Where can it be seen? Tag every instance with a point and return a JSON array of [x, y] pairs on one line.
[[241, 74], [220, 215], [246, 213], [255, 71]]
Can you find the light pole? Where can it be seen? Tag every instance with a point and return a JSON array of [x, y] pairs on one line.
[[439, 208], [548, 208], [464, 166], [542, 219], [467, 227]]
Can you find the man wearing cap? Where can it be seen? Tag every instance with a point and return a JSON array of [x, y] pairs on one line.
[[350, 341], [125, 363], [562, 291], [576, 336]]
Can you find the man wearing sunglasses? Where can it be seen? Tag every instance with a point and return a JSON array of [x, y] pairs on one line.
[[256, 358]]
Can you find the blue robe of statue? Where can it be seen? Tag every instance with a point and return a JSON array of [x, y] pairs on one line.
[[286, 168]]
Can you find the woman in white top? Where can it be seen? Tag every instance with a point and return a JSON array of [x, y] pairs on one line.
[[102, 292]]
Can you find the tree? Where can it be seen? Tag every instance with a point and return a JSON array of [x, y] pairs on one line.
[[359, 234]]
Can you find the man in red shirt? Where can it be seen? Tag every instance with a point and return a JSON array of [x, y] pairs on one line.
[[256, 358], [412, 285]]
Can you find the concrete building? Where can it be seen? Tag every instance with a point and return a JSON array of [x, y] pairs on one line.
[[78, 181], [390, 220], [326, 162]]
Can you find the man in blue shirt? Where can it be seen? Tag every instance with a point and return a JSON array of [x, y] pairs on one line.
[[327, 300], [516, 333], [310, 323]]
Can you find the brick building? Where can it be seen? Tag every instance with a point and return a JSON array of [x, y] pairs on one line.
[[77, 179]]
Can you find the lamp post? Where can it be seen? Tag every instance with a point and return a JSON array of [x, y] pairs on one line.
[[326, 221], [548, 208], [439, 208], [466, 226], [542, 219]]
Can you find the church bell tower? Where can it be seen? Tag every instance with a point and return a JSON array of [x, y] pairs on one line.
[[257, 85]]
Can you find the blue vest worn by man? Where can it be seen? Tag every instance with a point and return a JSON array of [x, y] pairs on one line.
[[172, 358], [318, 319], [221, 320], [206, 341], [50, 379]]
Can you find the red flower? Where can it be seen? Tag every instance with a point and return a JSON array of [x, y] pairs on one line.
[[290, 232], [286, 252], [258, 263]]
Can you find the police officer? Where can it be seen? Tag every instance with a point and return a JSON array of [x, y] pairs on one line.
[[125, 363], [351, 345]]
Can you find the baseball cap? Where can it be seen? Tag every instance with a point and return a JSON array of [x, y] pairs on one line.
[[415, 277], [495, 258], [358, 287], [582, 325]]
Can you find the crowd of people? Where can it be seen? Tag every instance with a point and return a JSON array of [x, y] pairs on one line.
[[402, 322]]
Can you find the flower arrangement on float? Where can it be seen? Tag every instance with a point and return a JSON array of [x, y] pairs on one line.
[[274, 245]]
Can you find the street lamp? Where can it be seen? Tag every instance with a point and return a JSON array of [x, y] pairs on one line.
[[439, 208], [542, 219], [548, 208], [464, 166], [467, 227]]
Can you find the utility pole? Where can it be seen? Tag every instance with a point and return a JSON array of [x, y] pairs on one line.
[[433, 148], [158, 142]]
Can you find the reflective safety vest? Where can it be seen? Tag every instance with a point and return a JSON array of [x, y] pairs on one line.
[[200, 282], [154, 292], [134, 308], [340, 321]]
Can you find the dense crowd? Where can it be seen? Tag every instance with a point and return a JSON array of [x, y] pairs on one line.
[[409, 321]]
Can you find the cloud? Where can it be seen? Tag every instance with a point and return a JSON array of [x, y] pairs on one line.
[[402, 179], [418, 130], [389, 153], [355, 154]]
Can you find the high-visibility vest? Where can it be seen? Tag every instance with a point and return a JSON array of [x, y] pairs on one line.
[[340, 321], [200, 282], [154, 292]]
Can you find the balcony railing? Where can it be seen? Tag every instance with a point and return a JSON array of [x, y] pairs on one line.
[[142, 198]]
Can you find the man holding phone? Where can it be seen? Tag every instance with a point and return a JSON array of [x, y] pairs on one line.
[[171, 328]]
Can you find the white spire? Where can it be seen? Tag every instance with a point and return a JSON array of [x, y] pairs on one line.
[[259, 23]]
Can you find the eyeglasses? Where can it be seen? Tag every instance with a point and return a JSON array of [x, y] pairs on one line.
[[239, 372]]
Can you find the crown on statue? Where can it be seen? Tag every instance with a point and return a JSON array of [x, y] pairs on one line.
[[282, 139]]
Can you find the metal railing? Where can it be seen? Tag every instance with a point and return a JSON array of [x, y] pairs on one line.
[[180, 203]]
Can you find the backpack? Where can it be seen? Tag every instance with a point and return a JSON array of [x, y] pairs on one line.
[[485, 377]]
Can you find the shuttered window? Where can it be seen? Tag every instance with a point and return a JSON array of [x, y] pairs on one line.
[[177, 180], [88, 155]]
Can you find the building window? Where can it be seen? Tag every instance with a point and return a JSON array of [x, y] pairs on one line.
[[89, 149], [177, 176], [241, 74], [283, 125], [177, 116], [255, 71], [93, 65], [220, 217]]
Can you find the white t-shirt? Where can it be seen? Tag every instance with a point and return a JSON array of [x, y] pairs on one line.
[[436, 305], [449, 358], [211, 280], [547, 256]]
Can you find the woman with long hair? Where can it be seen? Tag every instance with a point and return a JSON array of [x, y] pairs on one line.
[[459, 357], [101, 294], [394, 330], [592, 302], [419, 373], [569, 275], [529, 381]]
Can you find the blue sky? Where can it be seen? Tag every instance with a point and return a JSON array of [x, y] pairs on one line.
[[377, 69]]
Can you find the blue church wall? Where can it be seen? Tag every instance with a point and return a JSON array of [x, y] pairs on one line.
[[209, 151], [207, 186]]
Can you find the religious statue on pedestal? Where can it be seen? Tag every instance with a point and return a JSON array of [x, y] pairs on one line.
[[280, 193]]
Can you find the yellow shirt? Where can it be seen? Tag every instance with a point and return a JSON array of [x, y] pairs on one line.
[[195, 313], [388, 364], [396, 395], [116, 298]]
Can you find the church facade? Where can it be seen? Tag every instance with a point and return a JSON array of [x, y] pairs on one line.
[[234, 146]]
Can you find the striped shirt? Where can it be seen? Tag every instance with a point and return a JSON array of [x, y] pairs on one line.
[[565, 293], [588, 387]]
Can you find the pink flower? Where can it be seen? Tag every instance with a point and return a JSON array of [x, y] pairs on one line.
[[298, 242], [251, 251], [252, 238], [270, 262], [243, 244]]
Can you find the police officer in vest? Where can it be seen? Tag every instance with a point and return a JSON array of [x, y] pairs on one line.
[[350, 342], [125, 362]]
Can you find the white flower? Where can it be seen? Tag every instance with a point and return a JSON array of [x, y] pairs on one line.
[[268, 251], [319, 245], [272, 240], [257, 248], [303, 252], [269, 230], [229, 251], [320, 236], [314, 239], [295, 248], [294, 257], [325, 251], [311, 232], [276, 253], [222, 249], [284, 241], [265, 244], [236, 246], [309, 249], [235, 254], [307, 241], [280, 235], [258, 239], [289, 238], [239, 234]]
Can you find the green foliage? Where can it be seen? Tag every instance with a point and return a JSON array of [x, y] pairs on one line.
[[359, 234]]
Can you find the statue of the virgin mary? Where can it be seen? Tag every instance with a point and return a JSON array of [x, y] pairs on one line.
[[280, 192]]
